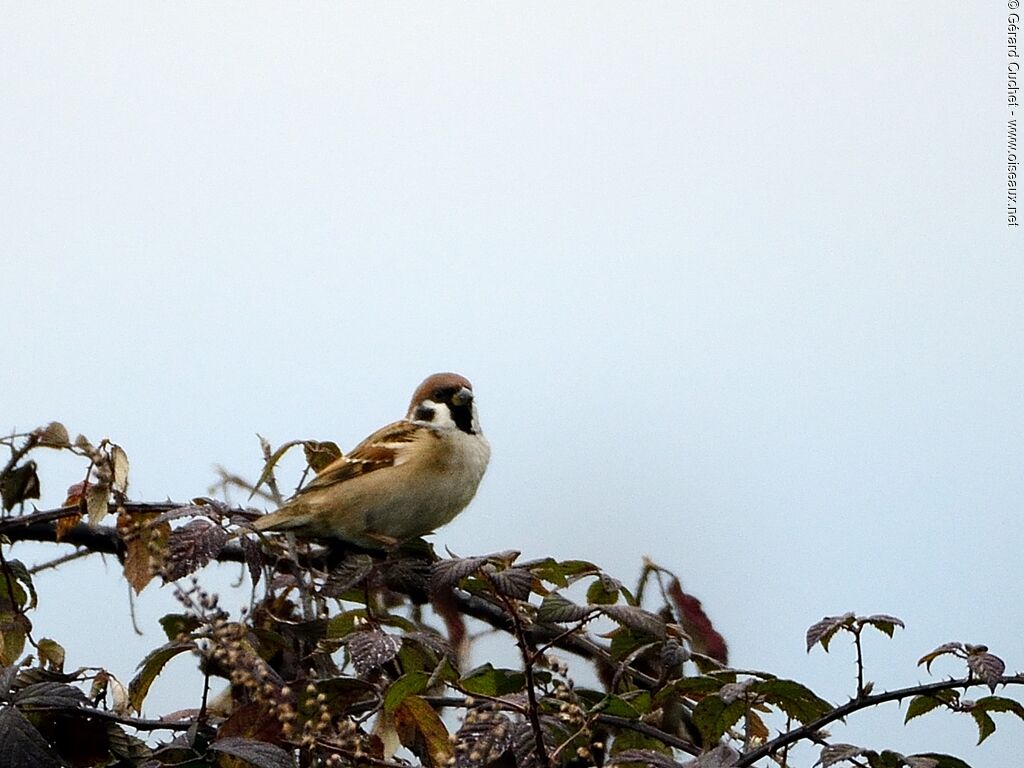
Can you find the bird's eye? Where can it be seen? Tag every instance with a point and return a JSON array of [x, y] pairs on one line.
[[423, 413]]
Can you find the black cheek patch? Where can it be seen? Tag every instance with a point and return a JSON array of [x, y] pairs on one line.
[[462, 415], [423, 413]]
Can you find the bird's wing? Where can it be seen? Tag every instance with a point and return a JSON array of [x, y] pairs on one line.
[[387, 447]]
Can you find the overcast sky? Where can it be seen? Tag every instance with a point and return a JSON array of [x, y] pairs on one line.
[[733, 283]]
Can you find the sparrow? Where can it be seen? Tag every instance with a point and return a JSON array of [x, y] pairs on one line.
[[403, 481]]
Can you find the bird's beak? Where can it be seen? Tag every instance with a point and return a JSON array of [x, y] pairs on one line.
[[463, 397]]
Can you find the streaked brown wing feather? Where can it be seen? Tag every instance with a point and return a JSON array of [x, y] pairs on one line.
[[380, 450]]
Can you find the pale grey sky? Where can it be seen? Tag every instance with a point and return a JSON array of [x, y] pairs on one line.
[[733, 284]]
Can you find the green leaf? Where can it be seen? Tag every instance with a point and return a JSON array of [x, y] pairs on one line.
[[689, 686], [564, 573], [631, 705], [630, 742], [883, 623], [51, 653], [12, 591], [986, 725], [920, 705], [176, 625], [150, 668], [604, 591], [713, 717], [555, 609], [490, 681], [1000, 704], [408, 684], [884, 759], [796, 700]]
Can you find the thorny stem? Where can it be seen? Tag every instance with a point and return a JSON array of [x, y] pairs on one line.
[[863, 702], [860, 661]]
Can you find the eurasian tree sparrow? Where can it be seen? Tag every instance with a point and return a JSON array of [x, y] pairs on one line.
[[403, 481]]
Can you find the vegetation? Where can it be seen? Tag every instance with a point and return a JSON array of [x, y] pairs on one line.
[[347, 657]]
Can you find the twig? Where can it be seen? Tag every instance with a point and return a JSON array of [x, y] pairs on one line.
[[533, 710]]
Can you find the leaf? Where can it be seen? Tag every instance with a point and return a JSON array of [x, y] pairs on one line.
[[986, 666], [835, 753], [256, 753], [97, 498], [21, 745], [14, 628], [704, 638], [516, 583], [564, 573], [49, 695], [19, 484], [630, 741], [986, 725], [1000, 704], [920, 705], [21, 575], [637, 619], [320, 454], [555, 609], [448, 573], [410, 576], [980, 709], [956, 649], [604, 590], [756, 729], [824, 630], [409, 684], [192, 546], [119, 467], [53, 435], [713, 717], [348, 574], [150, 667], [490, 681], [796, 700], [371, 649], [253, 556], [420, 729], [145, 544], [941, 761], [51, 654], [884, 759], [178, 625], [883, 623]]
